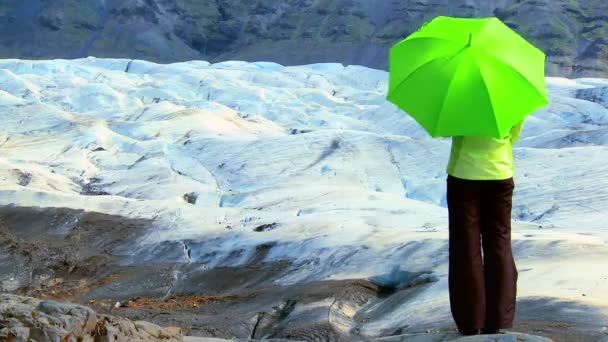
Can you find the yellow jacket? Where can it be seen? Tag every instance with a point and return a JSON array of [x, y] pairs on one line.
[[483, 158]]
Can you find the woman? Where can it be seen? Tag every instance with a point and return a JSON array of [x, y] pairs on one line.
[[479, 195]]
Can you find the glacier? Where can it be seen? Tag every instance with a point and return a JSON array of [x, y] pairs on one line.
[[312, 163]]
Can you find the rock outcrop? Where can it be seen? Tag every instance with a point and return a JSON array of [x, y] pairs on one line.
[[27, 319]]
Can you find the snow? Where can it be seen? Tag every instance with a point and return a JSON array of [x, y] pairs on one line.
[[356, 188]]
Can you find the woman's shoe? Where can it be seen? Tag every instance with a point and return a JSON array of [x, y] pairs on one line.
[[490, 331], [468, 332]]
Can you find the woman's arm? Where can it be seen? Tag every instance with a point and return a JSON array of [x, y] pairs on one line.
[[516, 132]]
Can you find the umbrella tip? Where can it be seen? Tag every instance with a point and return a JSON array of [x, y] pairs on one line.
[[470, 38]]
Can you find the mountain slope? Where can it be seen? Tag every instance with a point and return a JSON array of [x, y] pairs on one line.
[[291, 32]]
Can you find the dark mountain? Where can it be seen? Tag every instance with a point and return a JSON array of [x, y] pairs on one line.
[[573, 33]]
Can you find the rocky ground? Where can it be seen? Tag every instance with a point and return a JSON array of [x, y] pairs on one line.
[[70, 255], [291, 32], [30, 319], [27, 319]]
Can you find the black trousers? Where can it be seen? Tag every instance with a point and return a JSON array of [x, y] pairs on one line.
[[482, 287]]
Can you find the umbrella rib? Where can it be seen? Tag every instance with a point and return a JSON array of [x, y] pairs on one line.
[[418, 69], [496, 58], [447, 92], [430, 60], [453, 55], [413, 72], [485, 86], [431, 37], [408, 40]]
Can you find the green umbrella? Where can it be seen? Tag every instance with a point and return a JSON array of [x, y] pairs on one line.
[[467, 76]]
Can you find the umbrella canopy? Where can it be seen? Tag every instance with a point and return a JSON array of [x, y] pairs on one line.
[[467, 77]]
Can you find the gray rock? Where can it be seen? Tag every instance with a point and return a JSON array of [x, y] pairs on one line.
[[25, 318]]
